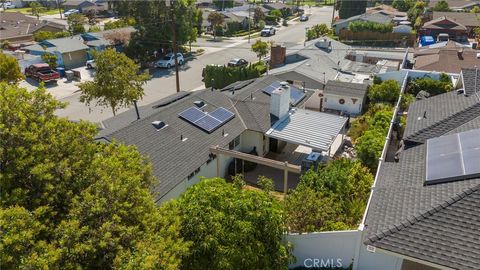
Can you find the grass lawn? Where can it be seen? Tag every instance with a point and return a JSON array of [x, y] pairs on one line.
[[28, 11]]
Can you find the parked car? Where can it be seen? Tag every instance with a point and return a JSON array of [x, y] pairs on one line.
[[303, 18], [91, 64], [237, 62], [169, 61], [42, 73], [7, 5], [268, 31], [70, 12]]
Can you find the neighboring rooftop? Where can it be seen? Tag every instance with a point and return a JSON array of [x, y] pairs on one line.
[[348, 89], [456, 4], [465, 18], [444, 23], [15, 25], [62, 45], [370, 17], [437, 223], [448, 57]]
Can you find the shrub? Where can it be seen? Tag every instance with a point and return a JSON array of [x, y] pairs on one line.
[[433, 87], [120, 23], [387, 91], [221, 76], [360, 26]]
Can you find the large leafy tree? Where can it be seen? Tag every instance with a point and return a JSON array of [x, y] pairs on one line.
[[68, 202], [349, 8], [330, 198], [9, 69], [117, 83], [232, 228], [76, 23], [441, 5], [258, 15], [216, 20], [154, 25]]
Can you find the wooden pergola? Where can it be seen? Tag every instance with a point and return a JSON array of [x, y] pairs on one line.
[[281, 165]]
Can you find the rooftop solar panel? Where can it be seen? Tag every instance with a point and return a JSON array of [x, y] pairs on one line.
[[207, 121], [453, 157], [222, 114], [192, 114]]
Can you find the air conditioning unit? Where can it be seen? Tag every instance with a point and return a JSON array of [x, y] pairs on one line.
[[312, 161]]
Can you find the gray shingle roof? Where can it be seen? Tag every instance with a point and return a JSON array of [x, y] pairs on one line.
[[442, 114], [471, 80], [172, 159], [447, 234], [405, 213], [348, 89]]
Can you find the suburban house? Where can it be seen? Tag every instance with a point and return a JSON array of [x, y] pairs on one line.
[[344, 97], [445, 25], [70, 51], [278, 6], [83, 6], [366, 17], [263, 119], [448, 56], [16, 27], [425, 206], [457, 5], [467, 19], [113, 38], [385, 10]]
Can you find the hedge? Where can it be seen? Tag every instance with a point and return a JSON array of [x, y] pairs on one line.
[[223, 75]]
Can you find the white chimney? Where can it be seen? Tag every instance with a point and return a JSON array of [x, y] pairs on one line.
[[280, 100]]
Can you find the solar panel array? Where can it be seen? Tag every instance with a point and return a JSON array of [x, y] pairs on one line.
[[453, 157], [207, 121], [296, 95]]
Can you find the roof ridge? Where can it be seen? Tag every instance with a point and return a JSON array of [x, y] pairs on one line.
[[412, 220], [471, 112]]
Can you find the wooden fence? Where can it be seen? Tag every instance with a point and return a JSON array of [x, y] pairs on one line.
[[398, 38]]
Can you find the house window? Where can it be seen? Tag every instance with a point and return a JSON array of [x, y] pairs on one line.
[[234, 143]]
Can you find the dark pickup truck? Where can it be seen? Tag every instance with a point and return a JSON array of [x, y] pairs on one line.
[[42, 73]]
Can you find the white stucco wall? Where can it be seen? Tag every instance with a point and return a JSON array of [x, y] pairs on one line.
[[332, 102], [250, 139]]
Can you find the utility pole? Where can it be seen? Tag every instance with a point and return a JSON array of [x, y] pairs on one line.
[[249, 19], [59, 9], [175, 45], [333, 12]]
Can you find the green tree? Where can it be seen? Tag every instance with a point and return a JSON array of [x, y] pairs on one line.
[[117, 83], [94, 28], [431, 86], [333, 196], [223, 4], [369, 147], [475, 9], [50, 59], [216, 20], [260, 48], [123, 22], [258, 15], [276, 13], [75, 23], [387, 91], [441, 5], [68, 202], [36, 9], [226, 224], [401, 5], [9, 69], [348, 8]]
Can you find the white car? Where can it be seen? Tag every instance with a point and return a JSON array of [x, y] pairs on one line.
[[8, 5], [268, 31], [70, 12], [91, 64], [169, 61]]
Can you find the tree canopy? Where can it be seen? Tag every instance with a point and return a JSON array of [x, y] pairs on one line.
[[260, 48], [68, 202], [75, 23], [348, 8], [429, 85], [116, 84], [153, 23], [258, 15], [232, 228], [330, 198], [387, 91], [441, 5], [9, 69], [216, 20]]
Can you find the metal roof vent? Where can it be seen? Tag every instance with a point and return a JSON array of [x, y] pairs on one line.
[[159, 125], [199, 104]]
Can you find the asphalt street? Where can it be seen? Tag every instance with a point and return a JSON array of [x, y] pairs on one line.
[[162, 83]]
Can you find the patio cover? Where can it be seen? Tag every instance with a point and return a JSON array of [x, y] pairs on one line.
[[316, 130]]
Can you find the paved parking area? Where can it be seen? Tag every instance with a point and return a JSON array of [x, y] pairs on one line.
[[63, 88]]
